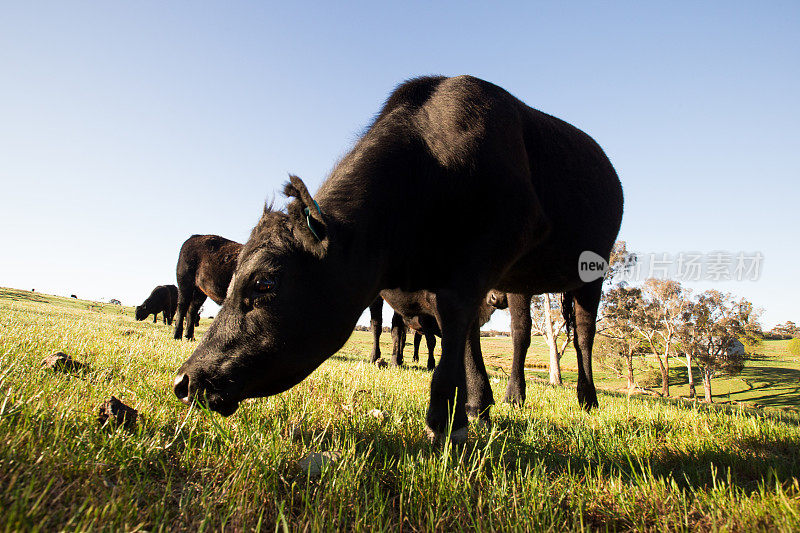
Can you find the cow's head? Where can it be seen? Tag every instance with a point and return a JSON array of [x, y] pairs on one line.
[[497, 299], [141, 312], [287, 309], [494, 300]]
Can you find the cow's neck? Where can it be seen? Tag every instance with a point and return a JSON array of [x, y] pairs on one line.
[[365, 204]]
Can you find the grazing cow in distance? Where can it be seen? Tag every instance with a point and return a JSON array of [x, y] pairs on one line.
[[423, 322], [73, 296], [398, 329], [487, 193], [163, 299], [205, 266], [417, 311]]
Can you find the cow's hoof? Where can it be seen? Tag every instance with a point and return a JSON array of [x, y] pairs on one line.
[[482, 423], [476, 413], [515, 399], [587, 397], [458, 436]]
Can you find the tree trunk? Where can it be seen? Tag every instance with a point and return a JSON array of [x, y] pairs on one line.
[[552, 342], [663, 364], [692, 392], [707, 386], [664, 375], [555, 365], [631, 382], [665, 370]]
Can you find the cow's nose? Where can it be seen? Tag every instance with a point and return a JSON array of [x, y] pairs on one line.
[[181, 387]]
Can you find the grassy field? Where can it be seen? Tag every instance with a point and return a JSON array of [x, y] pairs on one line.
[[634, 464]]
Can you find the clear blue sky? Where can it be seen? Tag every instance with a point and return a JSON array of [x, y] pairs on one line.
[[126, 127]]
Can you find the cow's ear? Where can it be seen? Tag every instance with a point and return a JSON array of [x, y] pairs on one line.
[[308, 222]]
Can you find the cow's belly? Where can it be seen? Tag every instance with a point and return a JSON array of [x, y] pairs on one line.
[[545, 269]]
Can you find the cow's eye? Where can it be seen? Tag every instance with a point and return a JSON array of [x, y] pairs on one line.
[[263, 285]]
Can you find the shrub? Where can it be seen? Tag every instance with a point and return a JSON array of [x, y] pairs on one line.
[[651, 378], [794, 346]]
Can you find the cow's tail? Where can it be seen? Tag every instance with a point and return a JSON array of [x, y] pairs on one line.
[[568, 311]]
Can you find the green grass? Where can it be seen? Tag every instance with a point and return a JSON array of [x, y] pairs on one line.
[[769, 380], [634, 464]]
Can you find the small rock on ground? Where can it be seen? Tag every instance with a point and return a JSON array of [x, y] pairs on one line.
[[313, 462], [62, 362], [114, 412], [379, 415]]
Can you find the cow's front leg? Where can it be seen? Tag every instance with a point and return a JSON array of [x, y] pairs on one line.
[[194, 313], [479, 390], [519, 305], [398, 339], [449, 383], [376, 325], [417, 341]]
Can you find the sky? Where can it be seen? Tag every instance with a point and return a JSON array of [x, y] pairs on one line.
[[127, 127]]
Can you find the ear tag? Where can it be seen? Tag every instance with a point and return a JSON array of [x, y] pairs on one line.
[[307, 213]]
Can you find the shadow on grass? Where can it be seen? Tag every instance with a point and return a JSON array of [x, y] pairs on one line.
[[408, 364], [679, 376], [773, 386], [747, 464], [751, 461], [569, 447]]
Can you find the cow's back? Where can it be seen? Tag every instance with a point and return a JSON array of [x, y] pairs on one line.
[[514, 178], [457, 175]]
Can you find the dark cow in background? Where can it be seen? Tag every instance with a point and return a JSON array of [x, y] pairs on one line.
[[73, 296], [205, 266], [486, 193], [163, 299], [417, 311], [421, 307], [398, 330]]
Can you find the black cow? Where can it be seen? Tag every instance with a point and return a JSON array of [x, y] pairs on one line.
[[417, 311], [424, 322], [204, 269], [163, 299], [457, 188]]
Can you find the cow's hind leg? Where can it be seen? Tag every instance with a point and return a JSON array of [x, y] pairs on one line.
[[376, 324], [186, 290], [583, 303], [449, 382], [194, 308], [398, 339], [430, 340], [519, 306], [417, 341]]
